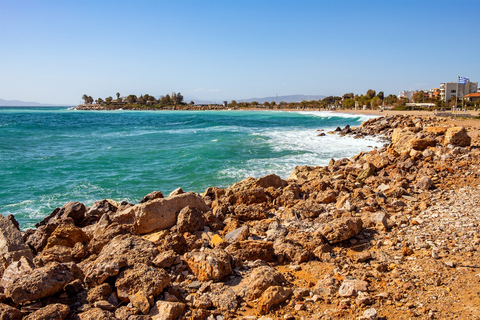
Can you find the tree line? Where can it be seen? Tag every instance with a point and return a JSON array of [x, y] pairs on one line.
[[173, 99]]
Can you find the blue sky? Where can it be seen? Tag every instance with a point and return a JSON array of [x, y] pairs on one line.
[[54, 51]]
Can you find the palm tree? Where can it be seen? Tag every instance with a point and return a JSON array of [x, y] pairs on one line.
[[85, 98], [118, 95]]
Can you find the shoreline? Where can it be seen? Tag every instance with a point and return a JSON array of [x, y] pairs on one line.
[[360, 236]]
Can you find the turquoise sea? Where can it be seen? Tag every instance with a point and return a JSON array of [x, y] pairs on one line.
[[49, 156]]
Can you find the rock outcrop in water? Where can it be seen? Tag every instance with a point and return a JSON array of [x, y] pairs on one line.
[[390, 233]]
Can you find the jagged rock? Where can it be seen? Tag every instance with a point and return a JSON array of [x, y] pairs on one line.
[[190, 220], [39, 283], [12, 246], [15, 270], [104, 233], [176, 192], [122, 251], [158, 214], [98, 293], [96, 314], [10, 313], [56, 311], [327, 286], [424, 183], [74, 210], [352, 287], [250, 212], [209, 264], [457, 136], [271, 180], [149, 279], [98, 209], [164, 310], [341, 229], [66, 235], [252, 250], [238, 234], [166, 259], [248, 197], [152, 196], [276, 230], [273, 296], [222, 297], [258, 281]]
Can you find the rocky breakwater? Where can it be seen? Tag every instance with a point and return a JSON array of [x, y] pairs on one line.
[[388, 233]]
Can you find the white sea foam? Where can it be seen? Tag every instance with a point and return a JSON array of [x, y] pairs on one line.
[[330, 114]]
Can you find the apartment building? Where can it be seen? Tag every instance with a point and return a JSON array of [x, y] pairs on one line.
[[449, 89]]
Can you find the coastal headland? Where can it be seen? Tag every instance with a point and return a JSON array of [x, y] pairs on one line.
[[390, 233]]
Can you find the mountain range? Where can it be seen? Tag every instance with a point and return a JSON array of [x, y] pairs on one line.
[[18, 103]]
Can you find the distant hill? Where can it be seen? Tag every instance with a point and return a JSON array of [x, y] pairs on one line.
[[290, 98], [18, 103]]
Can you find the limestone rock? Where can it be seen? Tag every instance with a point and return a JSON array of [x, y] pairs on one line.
[[159, 213], [152, 196], [9, 313], [164, 310], [39, 283], [140, 301], [238, 234], [66, 235], [122, 251], [98, 293], [209, 264], [56, 311], [273, 296], [12, 247], [258, 281], [166, 259], [149, 279], [341, 229], [424, 183], [190, 220], [457, 136], [15, 270], [271, 180], [96, 314], [352, 287], [252, 250]]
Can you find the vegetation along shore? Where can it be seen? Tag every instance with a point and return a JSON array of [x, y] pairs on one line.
[[390, 234]]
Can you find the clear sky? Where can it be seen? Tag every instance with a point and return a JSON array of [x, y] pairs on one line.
[[54, 51]]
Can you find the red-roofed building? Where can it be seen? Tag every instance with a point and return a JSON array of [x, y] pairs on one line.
[[472, 96]]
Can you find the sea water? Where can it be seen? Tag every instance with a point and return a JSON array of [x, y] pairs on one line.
[[49, 156]]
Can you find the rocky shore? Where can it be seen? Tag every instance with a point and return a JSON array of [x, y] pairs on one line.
[[386, 234]]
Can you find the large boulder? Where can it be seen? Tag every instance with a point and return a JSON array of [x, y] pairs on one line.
[[457, 136], [149, 279], [159, 213], [123, 251], [12, 247], [9, 313], [40, 283], [209, 264]]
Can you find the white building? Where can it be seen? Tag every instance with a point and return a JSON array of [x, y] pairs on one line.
[[449, 89]]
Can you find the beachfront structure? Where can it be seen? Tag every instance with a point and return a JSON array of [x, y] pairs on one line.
[[449, 89], [473, 96], [407, 94]]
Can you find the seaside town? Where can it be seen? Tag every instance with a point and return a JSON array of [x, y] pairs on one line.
[[455, 96]]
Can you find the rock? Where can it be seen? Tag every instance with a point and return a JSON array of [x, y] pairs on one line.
[[12, 246], [222, 297], [166, 259], [457, 136], [435, 130], [74, 210], [140, 301], [327, 286], [424, 183], [40, 283], [352, 287], [163, 310], [10, 313], [96, 314], [369, 314], [364, 174], [341, 229], [152, 196], [158, 214], [98, 293], [149, 279], [379, 219], [271, 180], [252, 250], [104, 305], [15, 270], [176, 192], [190, 220], [56, 311], [209, 264], [238, 234], [273, 296], [276, 230], [66, 235], [259, 280], [122, 251]]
